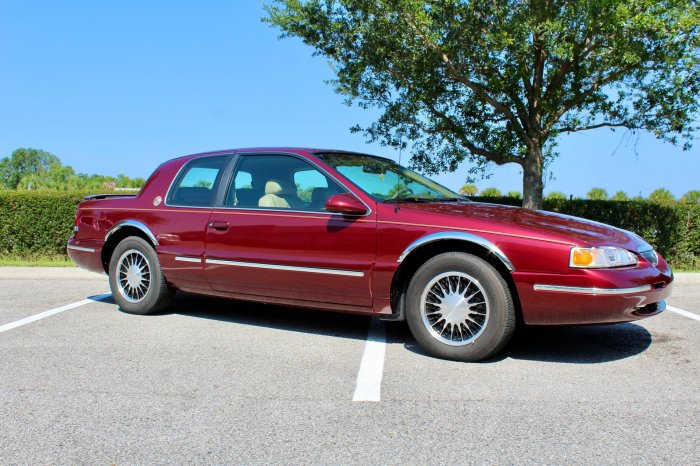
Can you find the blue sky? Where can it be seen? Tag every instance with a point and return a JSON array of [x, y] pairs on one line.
[[119, 87]]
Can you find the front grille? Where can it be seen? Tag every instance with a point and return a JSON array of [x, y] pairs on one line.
[[650, 256]]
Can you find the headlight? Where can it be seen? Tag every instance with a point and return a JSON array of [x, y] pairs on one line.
[[600, 258]]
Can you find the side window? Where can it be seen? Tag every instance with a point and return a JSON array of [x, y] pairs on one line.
[[196, 183], [279, 182], [307, 181]]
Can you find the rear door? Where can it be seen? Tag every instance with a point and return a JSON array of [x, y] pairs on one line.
[[273, 237]]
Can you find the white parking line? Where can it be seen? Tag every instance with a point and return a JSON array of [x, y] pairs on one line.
[[50, 312], [369, 377], [684, 313]]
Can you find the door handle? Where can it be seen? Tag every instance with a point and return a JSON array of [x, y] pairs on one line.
[[218, 225]]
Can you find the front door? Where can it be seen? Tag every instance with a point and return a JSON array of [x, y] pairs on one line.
[[274, 238]]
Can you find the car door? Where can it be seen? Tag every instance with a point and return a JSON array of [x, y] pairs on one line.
[[182, 220], [273, 237]]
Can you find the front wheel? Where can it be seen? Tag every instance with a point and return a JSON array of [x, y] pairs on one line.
[[137, 283], [459, 307]]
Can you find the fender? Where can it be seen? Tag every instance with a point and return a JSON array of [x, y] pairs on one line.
[[135, 224], [460, 236]]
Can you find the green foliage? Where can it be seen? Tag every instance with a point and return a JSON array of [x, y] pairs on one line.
[[36, 223], [691, 197], [597, 194], [491, 192], [468, 190], [555, 195], [25, 163], [673, 230], [515, 194], [33, 169], [498, 82], [662, 196], [620, 196]]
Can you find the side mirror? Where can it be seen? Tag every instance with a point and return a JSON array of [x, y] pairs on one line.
[[345, 203]]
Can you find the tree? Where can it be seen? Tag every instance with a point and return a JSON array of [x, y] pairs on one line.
[[556, 195], [620, 196], [498, 82], [24, 163], [468, 190], [662, 196], [691, 197], [38, 169], [597, 194], [515, 194], [491, 192]]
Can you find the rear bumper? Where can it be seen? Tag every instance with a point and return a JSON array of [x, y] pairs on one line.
[[594, 296], [86, 254]]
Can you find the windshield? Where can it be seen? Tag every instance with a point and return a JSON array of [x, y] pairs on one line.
[[385, 180]]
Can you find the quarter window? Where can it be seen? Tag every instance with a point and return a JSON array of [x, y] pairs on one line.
[[196, 185]]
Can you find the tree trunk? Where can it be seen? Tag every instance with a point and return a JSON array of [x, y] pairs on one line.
[[532, 179]]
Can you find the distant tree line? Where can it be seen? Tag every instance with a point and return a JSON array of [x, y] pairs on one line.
[[34, 169], [659, 196]]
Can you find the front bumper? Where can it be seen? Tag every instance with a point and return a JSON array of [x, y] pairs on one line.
[[594, 296]]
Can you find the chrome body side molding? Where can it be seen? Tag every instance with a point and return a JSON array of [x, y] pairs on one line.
[[584, 290], [460, 236], [291, 268], [80, 248], [135, 224], [197, 260]]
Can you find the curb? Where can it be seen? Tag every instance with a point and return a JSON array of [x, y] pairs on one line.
[[49, 273]]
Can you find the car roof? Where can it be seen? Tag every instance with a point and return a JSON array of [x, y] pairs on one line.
[[267, 150]]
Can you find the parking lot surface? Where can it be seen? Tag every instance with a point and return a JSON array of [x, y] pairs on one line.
[[216, 381]]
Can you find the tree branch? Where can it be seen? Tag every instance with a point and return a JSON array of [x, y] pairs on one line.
[[479, 89], [574, 129]]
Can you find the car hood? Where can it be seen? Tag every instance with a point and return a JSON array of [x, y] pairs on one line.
[[549, 225]]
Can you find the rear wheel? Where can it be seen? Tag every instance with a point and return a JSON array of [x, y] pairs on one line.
[[459, 307], [137, 283]]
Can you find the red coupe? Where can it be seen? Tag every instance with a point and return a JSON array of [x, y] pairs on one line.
[[357, 233]]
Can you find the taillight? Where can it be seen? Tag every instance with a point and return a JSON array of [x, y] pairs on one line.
[[77, 219]]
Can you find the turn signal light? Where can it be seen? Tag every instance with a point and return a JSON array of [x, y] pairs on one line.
[[581, 257]]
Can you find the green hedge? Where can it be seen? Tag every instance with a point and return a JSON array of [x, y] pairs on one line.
[[39, 223], [36, 223]]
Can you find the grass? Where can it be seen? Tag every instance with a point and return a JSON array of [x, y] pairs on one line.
[[38, 261]]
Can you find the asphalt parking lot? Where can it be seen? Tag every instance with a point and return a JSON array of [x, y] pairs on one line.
[[215, 381]]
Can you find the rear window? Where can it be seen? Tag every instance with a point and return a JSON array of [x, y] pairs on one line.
[[196, 183]]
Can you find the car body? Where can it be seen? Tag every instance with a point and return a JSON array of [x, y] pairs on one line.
[[257, 227]]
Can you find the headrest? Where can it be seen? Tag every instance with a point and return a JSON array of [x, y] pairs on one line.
[[273, 187]]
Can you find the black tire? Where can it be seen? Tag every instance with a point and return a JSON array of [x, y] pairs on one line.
[[486, 326], [151, 293]]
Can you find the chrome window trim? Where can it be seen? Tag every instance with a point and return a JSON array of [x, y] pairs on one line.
[[80, 248], [586, 290], [468, 237], [314, 165], [135, 224], [197, 260], [291, 268]]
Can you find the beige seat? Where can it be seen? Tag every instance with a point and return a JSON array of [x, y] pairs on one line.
[[271, 198]]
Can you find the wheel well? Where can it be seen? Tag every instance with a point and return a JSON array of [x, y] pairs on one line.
[[418, 257], [117, 238]]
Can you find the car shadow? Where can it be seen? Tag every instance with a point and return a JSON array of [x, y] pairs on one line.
[[574, 345], [585, 344], [287, 318]]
